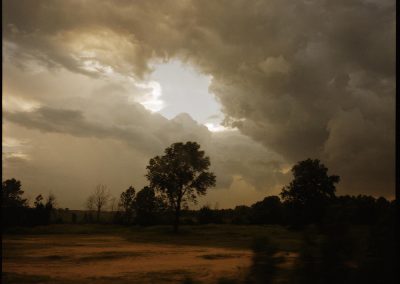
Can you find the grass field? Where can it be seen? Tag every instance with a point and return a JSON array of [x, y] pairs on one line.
[[117, 254]]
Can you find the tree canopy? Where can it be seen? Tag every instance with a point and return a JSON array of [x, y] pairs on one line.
[[310, 182], [180, 175], [11, 193], [127, 203], [148, 206], [310, 191]]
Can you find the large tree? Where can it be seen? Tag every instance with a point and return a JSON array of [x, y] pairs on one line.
[[310, 190], [180, 175]]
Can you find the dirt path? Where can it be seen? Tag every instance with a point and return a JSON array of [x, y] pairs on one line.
[[101, 259]]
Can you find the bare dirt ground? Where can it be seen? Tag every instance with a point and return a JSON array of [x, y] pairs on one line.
[[113, 259]]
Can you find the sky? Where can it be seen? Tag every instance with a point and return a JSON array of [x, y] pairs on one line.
[[93, 89]]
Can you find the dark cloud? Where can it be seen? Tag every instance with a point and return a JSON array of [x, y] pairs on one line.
[[72, 122], [304, 78]]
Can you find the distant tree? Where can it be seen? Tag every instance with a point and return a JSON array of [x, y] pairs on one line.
[[127, 203], [98, 199], [49, 207], [90, 202], [50, 202], [180, 175], [86, 218], [267, 211], [43, 211], [113, 204], [90, 206], [38, 216], [148, 206], [39, 202], [206, 215], [310, 190], [241, 215], [74, 218], [11, 194]]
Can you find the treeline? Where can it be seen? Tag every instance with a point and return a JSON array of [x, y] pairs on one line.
[[309, 199], [145, 208], [16, 210], [356, 210]]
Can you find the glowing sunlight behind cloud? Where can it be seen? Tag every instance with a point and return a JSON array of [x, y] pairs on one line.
[[151, 100], [183, 89], [218, 127]]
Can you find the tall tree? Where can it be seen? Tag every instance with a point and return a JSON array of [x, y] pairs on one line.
[[310, 190], [181, 175]]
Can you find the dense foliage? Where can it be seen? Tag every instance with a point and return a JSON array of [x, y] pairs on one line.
[[180, 176]]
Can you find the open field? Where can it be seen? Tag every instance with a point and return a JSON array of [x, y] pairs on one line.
[[115, 254]]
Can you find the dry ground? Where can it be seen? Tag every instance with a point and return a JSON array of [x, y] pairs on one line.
[[70, 254], [97, 259]]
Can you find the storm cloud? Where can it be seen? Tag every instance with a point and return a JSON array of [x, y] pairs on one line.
[[298, 79]]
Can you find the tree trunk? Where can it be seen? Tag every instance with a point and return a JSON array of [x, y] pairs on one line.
[[176, 222], [98, 215]]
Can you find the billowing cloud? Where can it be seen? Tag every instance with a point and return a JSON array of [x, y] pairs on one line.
[[104, 135], [302, 78]]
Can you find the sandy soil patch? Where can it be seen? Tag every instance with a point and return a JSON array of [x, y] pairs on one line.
[[82, 258]]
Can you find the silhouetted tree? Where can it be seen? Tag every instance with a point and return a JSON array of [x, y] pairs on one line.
[[98, 199], [310, 191], [91, 207], [241, 215], [43, 211], [267, 211], [113, 204], [74, 218], [39, 202], [11, 194], [361, 209], [127, 203], [39, 215], [148, 206], [206, 215], [49, 207], [180, 175]]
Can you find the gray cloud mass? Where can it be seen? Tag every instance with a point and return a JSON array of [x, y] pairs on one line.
[[298, 79]]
